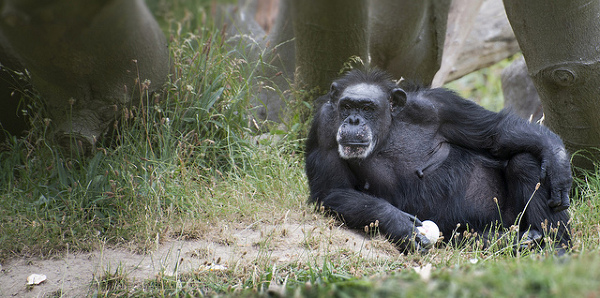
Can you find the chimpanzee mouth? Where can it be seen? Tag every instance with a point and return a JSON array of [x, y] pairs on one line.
[[355, 144], [355, 150]]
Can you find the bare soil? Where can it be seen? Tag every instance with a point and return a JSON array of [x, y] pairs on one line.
[[73, 274]]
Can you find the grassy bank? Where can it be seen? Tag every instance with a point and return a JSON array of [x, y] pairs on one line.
[[189, 164]]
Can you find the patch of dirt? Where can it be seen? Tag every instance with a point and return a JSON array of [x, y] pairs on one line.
[[297, 241]]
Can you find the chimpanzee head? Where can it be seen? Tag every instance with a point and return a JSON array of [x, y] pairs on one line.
[[365, 104]]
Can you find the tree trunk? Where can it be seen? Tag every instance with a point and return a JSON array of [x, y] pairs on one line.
[[248, 22], [407, 37], [519, 91], [460, 22], [559, 40], [86, 58], [327, 34], [490, 39], [281, 55]]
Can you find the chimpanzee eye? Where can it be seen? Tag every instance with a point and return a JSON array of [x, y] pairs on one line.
[[345, 106]]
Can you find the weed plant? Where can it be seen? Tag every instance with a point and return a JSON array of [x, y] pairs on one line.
[[161, 158]]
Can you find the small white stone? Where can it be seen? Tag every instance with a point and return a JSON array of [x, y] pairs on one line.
[[430, 230], [424, 272], [35, 279]]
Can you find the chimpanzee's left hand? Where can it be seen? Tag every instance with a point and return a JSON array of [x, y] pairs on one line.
[[556, 171]]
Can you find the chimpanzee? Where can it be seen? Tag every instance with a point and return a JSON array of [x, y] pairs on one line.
[[377, 152]]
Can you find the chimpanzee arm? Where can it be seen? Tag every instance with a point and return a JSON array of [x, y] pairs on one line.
[[502, 135], [332, 186], [358, 210]]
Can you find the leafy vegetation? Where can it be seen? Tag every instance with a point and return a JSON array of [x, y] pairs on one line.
[[190, 164]]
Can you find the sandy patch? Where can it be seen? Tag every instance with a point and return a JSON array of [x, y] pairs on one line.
[[74, 273]]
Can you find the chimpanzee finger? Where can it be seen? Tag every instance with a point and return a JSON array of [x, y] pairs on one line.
[[423, 241], [554, 200], [417, 222], [543, 170], [413, 218], [564, 203], [560, 208], [565, 198], [559, 200], [417, 243]]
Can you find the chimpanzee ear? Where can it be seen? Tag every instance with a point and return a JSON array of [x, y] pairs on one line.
[[334, 91], [398, 99]]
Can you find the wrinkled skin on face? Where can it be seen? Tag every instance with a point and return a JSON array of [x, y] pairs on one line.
[[357, 106], [364, 111]]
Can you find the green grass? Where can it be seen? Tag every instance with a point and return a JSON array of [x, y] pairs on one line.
[[139, 182], [188, 164]]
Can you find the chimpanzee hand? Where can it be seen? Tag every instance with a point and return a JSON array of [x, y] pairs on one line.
[[555, 171], [358, 209], [404, 234]]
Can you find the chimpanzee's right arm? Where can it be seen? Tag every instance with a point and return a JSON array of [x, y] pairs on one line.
[[332, 186]]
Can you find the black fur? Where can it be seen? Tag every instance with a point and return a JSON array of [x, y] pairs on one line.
[[437, 156]]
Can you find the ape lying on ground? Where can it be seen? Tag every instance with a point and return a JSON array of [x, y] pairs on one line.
[[378, 152]]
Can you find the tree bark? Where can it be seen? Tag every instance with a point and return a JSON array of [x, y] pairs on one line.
[[281, 56], [490, 41], [475, 41], [327, 34], [460, 22], [86, 58], [519, 92], [407, 37], [559, 40]]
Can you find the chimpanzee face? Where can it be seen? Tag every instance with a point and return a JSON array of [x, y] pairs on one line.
[[364, 111]]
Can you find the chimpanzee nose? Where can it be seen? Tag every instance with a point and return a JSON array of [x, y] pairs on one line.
[[353, 120]]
